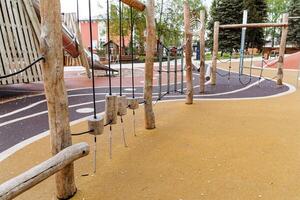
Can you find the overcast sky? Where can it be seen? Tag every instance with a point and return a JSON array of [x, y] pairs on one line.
[[68, 6]]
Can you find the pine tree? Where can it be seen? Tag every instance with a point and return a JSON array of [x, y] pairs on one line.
[[231, 12], [226, 12], [294, 24], [257, 13]]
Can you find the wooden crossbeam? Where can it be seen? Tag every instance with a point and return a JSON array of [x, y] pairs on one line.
[[135, 4], [253, 25]]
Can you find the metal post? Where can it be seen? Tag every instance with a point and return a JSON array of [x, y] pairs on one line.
[[168, 69], [175, 70], [182, 70], [160, 52], [243, 38]]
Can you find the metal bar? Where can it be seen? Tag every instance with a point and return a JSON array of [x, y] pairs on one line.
[[243, 38], [182, 70], [160, 52], [168, 71], [175, 78]]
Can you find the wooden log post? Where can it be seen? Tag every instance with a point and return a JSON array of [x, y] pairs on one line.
[[57, 101], [285, 19], [16, 186], [135, 4], [202, 52], [215, 54], [83, 56], [188, 54], [150, 49]]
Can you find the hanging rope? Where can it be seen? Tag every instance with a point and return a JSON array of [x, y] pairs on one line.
[[92, 59], [251, 65], [131, 49], [24, 69], [108, 48], [120, 44]]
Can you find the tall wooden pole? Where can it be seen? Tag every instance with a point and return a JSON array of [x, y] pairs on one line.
[[215, 54], [284, 34], [150, 49], [202, 52], [57, 101], [83, 57], [188, 54]]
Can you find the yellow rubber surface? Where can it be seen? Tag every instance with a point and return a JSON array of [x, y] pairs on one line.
[[210, 150]]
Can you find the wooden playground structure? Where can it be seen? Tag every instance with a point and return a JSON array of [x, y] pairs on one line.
[[45, 35]]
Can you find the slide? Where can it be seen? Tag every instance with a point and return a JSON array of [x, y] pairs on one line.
[[69, 40]]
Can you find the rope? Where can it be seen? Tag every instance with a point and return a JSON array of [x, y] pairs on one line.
[[229, 68], [108, 47], [131, 47], [82, 133], [251, 67], [120, 43], [24, 69], [92, 60]]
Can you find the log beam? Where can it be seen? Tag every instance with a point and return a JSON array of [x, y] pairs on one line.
[[55, 91], [202, 52], [150, 50], [284, 34], [16, 186], [253, 25], [215, 54], [188, 54], [135, 4]]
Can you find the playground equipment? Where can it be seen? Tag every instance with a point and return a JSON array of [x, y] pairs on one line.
[[170, 53], [188, 55], [51, 44], [283, 25]]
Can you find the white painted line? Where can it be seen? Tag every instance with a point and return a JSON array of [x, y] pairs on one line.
[[129, 89], [41, 113], [85, 110], [7, 153], [4, 155]]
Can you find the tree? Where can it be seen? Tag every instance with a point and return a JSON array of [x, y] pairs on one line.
[[170, 27], [275, 10], [257, 13], [294, 24], [139, 25], [213, 16], [231, 12]]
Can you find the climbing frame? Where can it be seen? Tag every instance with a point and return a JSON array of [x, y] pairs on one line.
[[19, 42]]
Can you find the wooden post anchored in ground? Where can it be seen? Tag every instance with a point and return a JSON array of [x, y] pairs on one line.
[[284, 33], [215, 54], [83, 57], [37, 174], [202, 52], [57, 101], [150, 49], [188, 54]]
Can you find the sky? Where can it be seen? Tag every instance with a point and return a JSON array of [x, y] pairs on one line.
[[68, 6]]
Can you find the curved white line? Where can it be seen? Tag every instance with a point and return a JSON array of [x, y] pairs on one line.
[[7, 153], [43, 101], [43, 112]]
